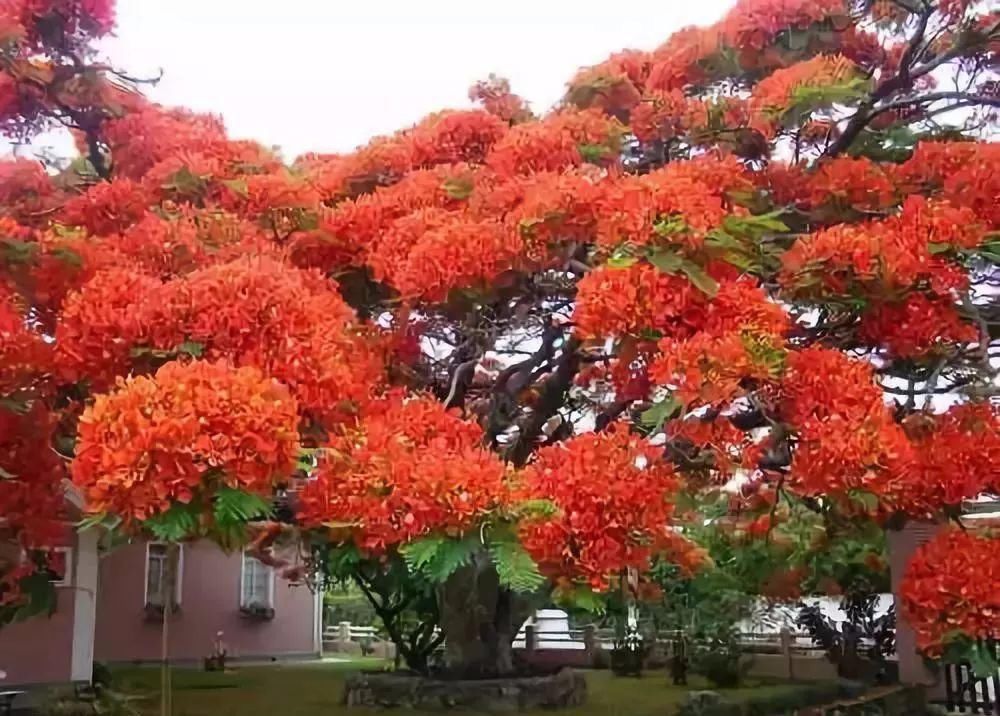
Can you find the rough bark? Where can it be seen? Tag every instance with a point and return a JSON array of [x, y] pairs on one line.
[[479, 619]]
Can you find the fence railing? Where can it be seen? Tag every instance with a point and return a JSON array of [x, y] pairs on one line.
[[967, 693], [535, 636]]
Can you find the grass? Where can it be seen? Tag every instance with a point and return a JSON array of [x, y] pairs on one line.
[[314, 689]]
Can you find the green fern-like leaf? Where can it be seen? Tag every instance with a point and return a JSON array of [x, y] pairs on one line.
[[516, 568], [582, 598], [177, 523], [234, 507], [438, 557]]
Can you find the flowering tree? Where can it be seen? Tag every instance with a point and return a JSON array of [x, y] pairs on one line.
[[485, 355]]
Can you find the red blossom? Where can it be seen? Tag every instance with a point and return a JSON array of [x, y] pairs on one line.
[[596, 481], [949, 589], [409, 468], [182, 433]]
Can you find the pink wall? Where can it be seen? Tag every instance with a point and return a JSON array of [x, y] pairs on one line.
[[210, 600], [902, 544], [40, 649]]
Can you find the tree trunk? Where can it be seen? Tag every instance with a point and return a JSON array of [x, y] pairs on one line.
[[480, 619]]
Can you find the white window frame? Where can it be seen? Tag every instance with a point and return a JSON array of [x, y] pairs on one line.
[[67, 579], [243, 573], [178, 578]]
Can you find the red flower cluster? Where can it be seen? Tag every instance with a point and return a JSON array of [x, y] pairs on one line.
[[107, 207], [289, 323], [561, 140], [34, 21], [411, 468], [181, 434], [495, 96], [963, 172], [879, 259], [445, 138], [351, 231], [173, 245], [848, 183], [785, 88], [31, 477], [846, 438], [916, 327], [658, 208], [635, 300], [596, 481], [25, 357], [99, 326], [950, 589], [955, 455]]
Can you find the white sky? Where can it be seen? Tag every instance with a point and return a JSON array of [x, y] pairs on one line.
[[326, 75]]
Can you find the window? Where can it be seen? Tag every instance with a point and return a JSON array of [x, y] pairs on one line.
[[61, 566], [257, 584], [156, 574], [58, 563]]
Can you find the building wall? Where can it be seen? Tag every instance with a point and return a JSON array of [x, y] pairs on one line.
[[46, 649], [902, 544], [209, 603]]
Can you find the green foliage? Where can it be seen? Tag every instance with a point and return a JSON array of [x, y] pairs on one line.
[[99, 702], [339, 562], [594, 153], [13, 251], [458, 188], [39, 597], [184, 181], [191, 348], [621, 262], [238, 187], [670, 262], [581, 598], [895, 144], [661, 411], [348, 604], [437, 557], [538, 508], [232, 509], [179, 522], [959, 648], [516, 568], [68, 256]]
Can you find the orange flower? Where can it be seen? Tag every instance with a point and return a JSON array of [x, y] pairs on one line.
[[596, 481], [181, 434], [949, 589], [409, 468]]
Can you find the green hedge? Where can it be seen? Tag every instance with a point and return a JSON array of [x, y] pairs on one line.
[[898, 702]]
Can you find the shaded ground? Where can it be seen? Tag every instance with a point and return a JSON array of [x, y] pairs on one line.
[[314, 689]]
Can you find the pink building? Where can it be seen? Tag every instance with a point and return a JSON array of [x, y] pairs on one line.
[[261, 615], [108, 610], [59, 648]]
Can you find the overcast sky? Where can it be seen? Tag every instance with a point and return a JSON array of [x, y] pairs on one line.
[[325, 75]]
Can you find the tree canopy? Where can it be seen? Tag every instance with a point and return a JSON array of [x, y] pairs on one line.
[[758, 263]]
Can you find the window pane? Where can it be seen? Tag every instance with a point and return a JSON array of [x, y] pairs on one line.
[[256, 583], [155, 575]]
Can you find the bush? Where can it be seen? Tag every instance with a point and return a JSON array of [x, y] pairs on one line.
[[708, 703], [348, 605], [100, 702], [723, 668]]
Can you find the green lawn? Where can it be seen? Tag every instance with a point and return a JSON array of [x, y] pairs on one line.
[[315, 690]]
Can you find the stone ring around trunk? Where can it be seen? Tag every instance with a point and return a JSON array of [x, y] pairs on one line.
[[563, 689]]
